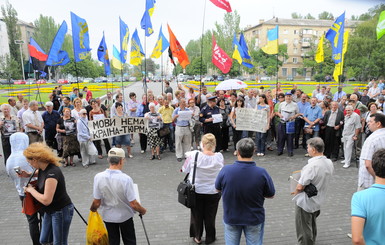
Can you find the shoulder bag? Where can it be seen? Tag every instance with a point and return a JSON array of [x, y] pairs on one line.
[[186, 190], [30, 204]]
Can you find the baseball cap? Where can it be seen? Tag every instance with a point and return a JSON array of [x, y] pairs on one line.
[[116, 152], [288, 93]]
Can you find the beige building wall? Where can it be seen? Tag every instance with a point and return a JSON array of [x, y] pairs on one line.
[[299, 35], [26, 30]]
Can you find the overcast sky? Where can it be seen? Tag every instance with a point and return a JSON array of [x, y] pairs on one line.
[[184, 16]]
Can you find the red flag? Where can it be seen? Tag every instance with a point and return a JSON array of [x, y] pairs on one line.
[[220, 58], [223, 4], [177, 50]]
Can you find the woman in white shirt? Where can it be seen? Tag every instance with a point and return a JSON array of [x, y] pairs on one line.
[[207, 198]]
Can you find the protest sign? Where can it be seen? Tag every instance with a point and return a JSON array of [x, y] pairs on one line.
[[110, 127], [249, 119]]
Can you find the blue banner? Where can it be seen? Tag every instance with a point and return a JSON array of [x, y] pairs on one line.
[[80, 37]]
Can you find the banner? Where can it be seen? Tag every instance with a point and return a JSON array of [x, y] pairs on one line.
[[110, 127], [80, 38], [272, 41], [336, 37], [220, 59], [250, 119], [223, 4], [56, 56]]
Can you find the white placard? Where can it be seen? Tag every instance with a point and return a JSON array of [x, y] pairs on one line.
[[250, 119], [217, 118], [136, 190], [184, 115], [98, 116]]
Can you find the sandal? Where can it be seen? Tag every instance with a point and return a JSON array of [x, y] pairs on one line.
[[65, 165], [72, 164], [100, 157], [158, 157], [197, 241], [153, 157]]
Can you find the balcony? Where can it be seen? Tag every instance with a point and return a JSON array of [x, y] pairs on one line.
[[305, 44]]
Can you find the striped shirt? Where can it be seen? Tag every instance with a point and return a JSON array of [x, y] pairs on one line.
[[373, 143]]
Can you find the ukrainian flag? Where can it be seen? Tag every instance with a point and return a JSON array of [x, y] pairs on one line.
[[124, 35], [246, 58], [238, 52], [116, 62], [161, 45], [137, 52], [272, 42]]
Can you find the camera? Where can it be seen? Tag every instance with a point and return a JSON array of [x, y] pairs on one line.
[[17, 169]]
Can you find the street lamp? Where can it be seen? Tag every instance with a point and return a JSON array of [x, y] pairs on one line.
[[20, 43]]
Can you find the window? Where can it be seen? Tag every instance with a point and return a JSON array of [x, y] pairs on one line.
[[295, 41], [284, 60], [295, 60], [306, 39], [294, 72], [285, 31], [295, 31], [315, 33], [285, 40], [307, 31], [295, 50], [284, 72]]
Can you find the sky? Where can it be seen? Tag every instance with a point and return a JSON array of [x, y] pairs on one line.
[[185, 17]]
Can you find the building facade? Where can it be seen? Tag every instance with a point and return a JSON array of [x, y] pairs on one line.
[[300, 36]]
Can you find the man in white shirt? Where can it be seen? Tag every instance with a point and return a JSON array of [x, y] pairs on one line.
[[318, 171], [321, 95], [373, 143], [33, 123], [114, 194], [352, 128]]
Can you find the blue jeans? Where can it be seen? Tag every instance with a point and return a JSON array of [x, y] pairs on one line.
[[253, 234], [55, 226], [260, 141]]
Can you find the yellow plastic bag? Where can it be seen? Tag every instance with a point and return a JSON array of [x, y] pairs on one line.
[[96, 231]]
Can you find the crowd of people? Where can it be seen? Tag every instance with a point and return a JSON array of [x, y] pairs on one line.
[[329, 126]]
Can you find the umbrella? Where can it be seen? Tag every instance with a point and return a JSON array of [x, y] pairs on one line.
[[231, 84]]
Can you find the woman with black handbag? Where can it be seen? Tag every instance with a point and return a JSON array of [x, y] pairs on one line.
[[208, 165], [154, 124]]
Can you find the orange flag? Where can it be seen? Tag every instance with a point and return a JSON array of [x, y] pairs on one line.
[[177, 49]]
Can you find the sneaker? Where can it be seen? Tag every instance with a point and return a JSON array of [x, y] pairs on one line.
[[262, 154], [142, 151], [179, 159], [307, 155], [343, 161], [130, 156], [346, 165], [259, 154], [85, 166]]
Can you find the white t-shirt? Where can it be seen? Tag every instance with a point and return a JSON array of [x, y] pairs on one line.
[[207, 171], [116, 191]]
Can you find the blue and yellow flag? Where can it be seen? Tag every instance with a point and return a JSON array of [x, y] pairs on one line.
[[80, 38], [116, 62], [338, 69], [57, 57], [319, 55], [246, 59], [124, 36], [161, 45], [238, 52], [145, 23], [103, 56], [272, 41], [336, 37], [137, 52]]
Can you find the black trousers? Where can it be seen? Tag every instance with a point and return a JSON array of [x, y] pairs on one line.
[[98, 145], [224, 138], [127, 230], [237, 136], [143, 142], [332, 142], [214, 129], [299, 124], [6, 148], [34, 223], [203, 215]]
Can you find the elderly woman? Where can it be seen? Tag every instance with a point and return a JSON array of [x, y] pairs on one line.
[[51, 193], [140, 112], [196, 134], [122, 140], [154, 124], [95, 114], [66, 126], [9, 124], [207, 198]]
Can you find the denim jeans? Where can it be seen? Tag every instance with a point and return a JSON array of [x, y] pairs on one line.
[[253, 234], [55, 226], [260, 141]]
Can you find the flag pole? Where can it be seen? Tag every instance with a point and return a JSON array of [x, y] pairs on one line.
[[161, 70], [203, 29], [121, 73], [76, 70], [145, 65], [276, 82]]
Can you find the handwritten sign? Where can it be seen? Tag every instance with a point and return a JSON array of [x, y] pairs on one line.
[[111, 127], [250, 119]]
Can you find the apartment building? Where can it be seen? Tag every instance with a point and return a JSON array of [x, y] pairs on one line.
[[300, 36]]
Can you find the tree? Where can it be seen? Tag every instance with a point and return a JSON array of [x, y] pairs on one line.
[[326, 16], [296, 15], [309, 17], [150, 65], [269, 62], [85, 68], [10, 19], [9, 68], [45, 31]]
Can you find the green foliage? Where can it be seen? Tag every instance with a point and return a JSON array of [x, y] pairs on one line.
[[296, 15], [325, 15], [196, 67], [9, 68], [45, 31], [268, 63], [85, 68], [309, 17], [10, 19]]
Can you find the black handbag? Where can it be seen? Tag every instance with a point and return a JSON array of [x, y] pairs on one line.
[[186, 190], [311, 190], [163, 132]]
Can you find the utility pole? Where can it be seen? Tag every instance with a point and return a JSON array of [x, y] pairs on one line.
[[20, 43]]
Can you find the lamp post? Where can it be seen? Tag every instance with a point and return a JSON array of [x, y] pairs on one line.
[[20, 43]]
